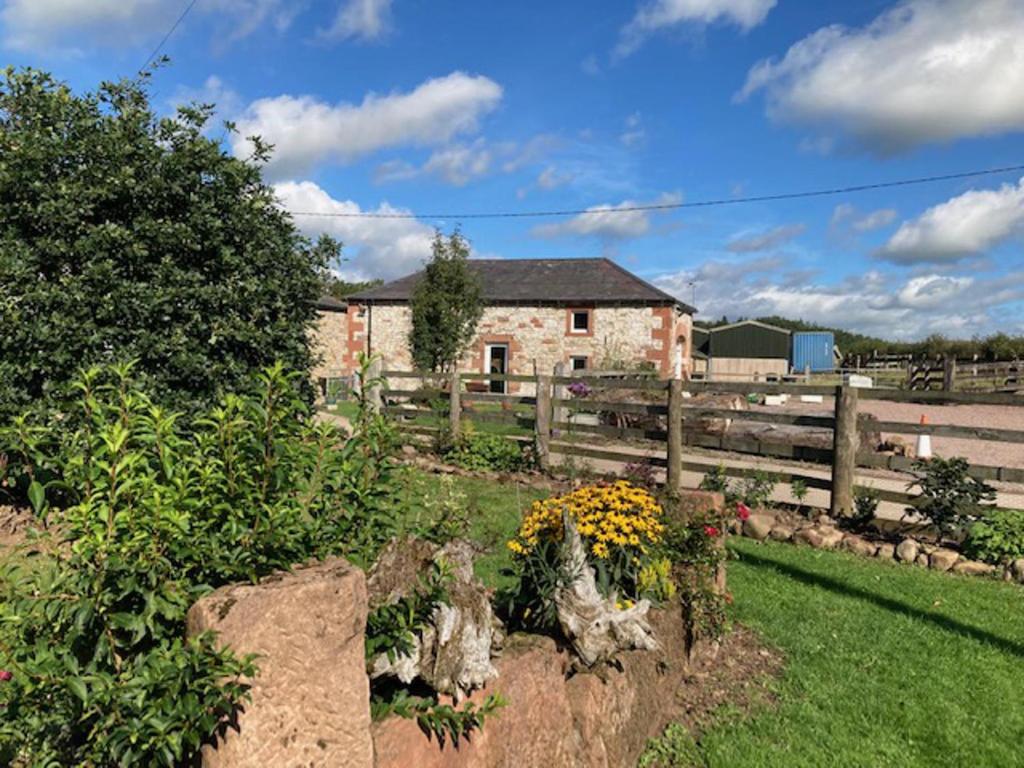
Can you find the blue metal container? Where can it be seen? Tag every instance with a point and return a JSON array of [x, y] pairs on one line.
[[813, 349]]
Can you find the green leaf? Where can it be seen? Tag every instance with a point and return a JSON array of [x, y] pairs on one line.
[[77, 686], [37, 496]]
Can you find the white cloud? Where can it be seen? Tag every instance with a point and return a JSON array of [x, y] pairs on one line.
[[848, 220], [923, 71], [386, 248], [634, 132], [71, 26], [966, 225], [608, 222], [873, 303], [654, 15], [306, 131], [763, 241], [360, 20], [551, 178], [461, 163]]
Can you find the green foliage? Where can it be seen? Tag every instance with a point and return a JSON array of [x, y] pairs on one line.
[[341, 289], [865, 507], [446, 306], [391, 628], [125, 233], [997, 538], [163, 511], [441, 515], [754, 491], [529, 599], [799, 490], [675, 748], [482, 452], [950, 498], [443, 721]]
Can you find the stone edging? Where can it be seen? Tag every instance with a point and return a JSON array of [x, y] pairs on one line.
[[824, 533]]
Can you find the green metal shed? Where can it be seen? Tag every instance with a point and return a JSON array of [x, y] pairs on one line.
[[748, 339]]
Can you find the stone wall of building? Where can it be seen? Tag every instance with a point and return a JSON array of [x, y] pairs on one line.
[[330, 344], [540, 337]]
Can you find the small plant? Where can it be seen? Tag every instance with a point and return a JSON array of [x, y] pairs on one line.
[[579, 389], [443, 515], [798, 488], [392, 627], [675, 748], [865, 508], [950, 498], [482, 452], [756, 490], [997, 538], [716, 480], [444, 721]]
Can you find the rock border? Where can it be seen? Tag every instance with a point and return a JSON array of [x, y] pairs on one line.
[[824, 532]]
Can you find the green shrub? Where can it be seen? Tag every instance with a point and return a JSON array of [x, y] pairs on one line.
[[998, 537], [123, 230], [950, 498], [675, 748], [865, 508], [481, 452], [164, 511]]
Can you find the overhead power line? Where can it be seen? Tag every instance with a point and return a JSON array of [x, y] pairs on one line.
[[604, 211], [167, 37]]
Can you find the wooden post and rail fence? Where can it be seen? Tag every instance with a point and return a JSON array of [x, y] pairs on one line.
[[552, 424]]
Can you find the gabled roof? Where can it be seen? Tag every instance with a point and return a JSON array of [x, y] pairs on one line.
[[331, 304], [543, 281], [758, 323]]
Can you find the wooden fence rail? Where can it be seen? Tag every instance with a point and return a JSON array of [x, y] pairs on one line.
[[671, 422]]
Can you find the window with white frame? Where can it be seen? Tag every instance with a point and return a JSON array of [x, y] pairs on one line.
[[580, 321], [578, 362]]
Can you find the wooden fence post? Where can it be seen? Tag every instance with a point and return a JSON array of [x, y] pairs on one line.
[[560, 411], [674, 475], [844, 451], [542, 424], [372, 385], [948, 373], [455, 402]]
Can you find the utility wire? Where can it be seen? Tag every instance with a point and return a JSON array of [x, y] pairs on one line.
[[167, 37], [604, 211]]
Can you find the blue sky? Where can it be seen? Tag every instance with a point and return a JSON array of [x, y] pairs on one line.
[[445, 106]]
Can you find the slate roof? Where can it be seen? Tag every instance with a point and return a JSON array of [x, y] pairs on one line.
[[330, 304], [543, 281]]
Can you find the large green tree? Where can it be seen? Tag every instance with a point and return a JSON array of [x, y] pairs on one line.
[[128, 235], [447, 304]]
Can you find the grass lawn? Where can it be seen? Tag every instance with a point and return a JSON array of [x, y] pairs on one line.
[[886, 665]]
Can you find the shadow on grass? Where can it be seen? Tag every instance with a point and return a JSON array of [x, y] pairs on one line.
[[840, 587]]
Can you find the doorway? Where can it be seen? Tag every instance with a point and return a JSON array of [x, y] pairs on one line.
[[497, 362]]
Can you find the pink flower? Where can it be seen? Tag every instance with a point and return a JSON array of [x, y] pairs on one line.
[[5, 676], [711, 531], [742, 510]]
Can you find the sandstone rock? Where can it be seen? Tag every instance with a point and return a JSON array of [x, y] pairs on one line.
[[886, 551], [535, 728], [823, 520], [831, 537], [810, 536], [922, 560], [974, 568], [781, 533], [597, 721], [453, 652], [907, 551], [859, 546], [758, 526], [1017, 569], [943, 559], [310, 700]]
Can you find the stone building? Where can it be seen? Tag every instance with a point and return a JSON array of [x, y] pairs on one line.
[[330, 339], [583, 313]]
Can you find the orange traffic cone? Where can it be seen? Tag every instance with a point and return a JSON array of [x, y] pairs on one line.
[[924, 441]]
